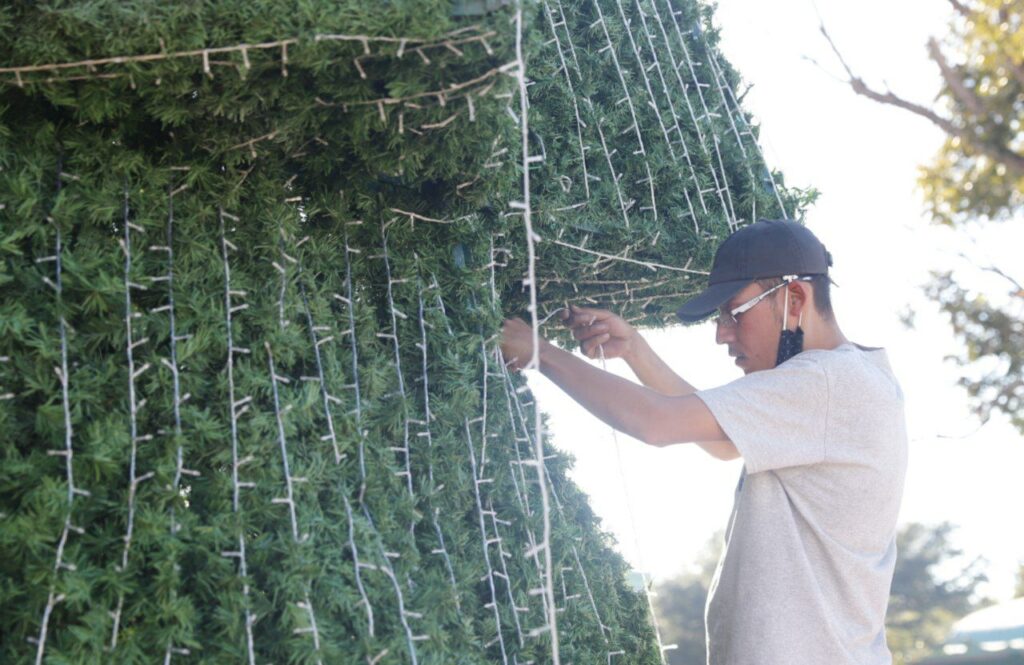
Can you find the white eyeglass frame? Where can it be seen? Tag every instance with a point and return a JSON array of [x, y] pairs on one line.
[[727, 318]]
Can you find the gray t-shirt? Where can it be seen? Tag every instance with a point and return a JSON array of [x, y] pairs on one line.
[[810, 547]]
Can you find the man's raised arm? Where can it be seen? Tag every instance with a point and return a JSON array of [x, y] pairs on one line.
[[641, 412]]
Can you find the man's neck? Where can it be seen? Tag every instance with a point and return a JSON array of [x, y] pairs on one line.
[[824, 335]]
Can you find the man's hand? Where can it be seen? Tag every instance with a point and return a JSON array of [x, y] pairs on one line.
[[517, 343], [600, 330]]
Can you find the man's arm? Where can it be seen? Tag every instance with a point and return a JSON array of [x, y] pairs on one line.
[[638, 411], [654, 373]]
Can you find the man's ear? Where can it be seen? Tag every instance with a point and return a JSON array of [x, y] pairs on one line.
[[800, 296]]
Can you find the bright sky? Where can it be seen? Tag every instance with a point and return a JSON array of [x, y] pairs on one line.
[[863, 158]]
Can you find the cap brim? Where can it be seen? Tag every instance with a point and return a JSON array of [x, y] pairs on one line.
[[707, 302]]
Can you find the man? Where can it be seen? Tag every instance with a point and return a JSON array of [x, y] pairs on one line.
[[810, 547]]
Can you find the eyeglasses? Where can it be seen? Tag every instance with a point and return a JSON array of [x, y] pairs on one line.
[[727, 318]]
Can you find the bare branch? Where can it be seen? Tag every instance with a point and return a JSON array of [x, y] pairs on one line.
[[1018, 288], [1019, 292], [998, 153], [954, 80], [962, 9]]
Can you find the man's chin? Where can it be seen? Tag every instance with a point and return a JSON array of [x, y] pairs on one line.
[[744, 364]]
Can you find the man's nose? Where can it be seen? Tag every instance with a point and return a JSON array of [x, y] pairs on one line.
[[724, 334]]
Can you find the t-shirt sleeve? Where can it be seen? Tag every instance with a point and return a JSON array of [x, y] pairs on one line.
[[776, 418]]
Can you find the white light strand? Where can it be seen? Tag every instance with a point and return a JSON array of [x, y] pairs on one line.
[[489, 577], [404, 449], [623, 206], [282, 268], [610, 47], [675, 118], [289, 499], [747, 130], [502, 556], [426, 433], [306, 604], [568, 36], [609, 257], [518, 464], [675, 66], [483, 409], [325, 395], [648, 594], [484, 435], [385, 564], [605, 630], [236, 408], [312, 629], [733, 220], [349, 301], [289, 479], [721, 187], [512, 397], [358, 566], [572, 92], [385, 567], [521, 408], [653, 103], [512, 392], [172, 364], [67, 453], [7, 395], [478, 85], [419, 45], [549, 591], [134, 479], [403, 614]]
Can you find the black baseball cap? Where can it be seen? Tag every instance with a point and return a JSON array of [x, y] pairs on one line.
[[764, 249]]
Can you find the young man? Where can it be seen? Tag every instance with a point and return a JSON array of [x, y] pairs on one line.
[[810, 547]]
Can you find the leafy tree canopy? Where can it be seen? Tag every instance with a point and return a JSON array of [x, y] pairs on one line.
[[978, 176]]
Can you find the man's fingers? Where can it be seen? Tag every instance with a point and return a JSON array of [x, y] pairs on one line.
[[586, 315], [585, 332], [592, 347]]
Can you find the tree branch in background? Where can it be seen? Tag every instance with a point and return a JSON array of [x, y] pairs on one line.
[[954, 80], [1013, 161], [961, 8], [1018, 288]]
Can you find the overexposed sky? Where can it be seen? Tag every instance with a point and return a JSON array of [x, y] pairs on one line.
[[863, 157]]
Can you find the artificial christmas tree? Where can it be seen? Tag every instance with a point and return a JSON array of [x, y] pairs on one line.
[[255, 256]]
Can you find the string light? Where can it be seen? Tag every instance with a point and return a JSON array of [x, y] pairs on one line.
[[548, 589], [67, 452], [134, 405], [236, 407]]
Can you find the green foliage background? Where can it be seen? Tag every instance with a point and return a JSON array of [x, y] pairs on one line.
[[977, 180], [346, 206]]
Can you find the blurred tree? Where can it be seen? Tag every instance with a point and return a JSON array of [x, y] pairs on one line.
[[680, 606], [977, 176], [1019, 591], [932, 587]]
